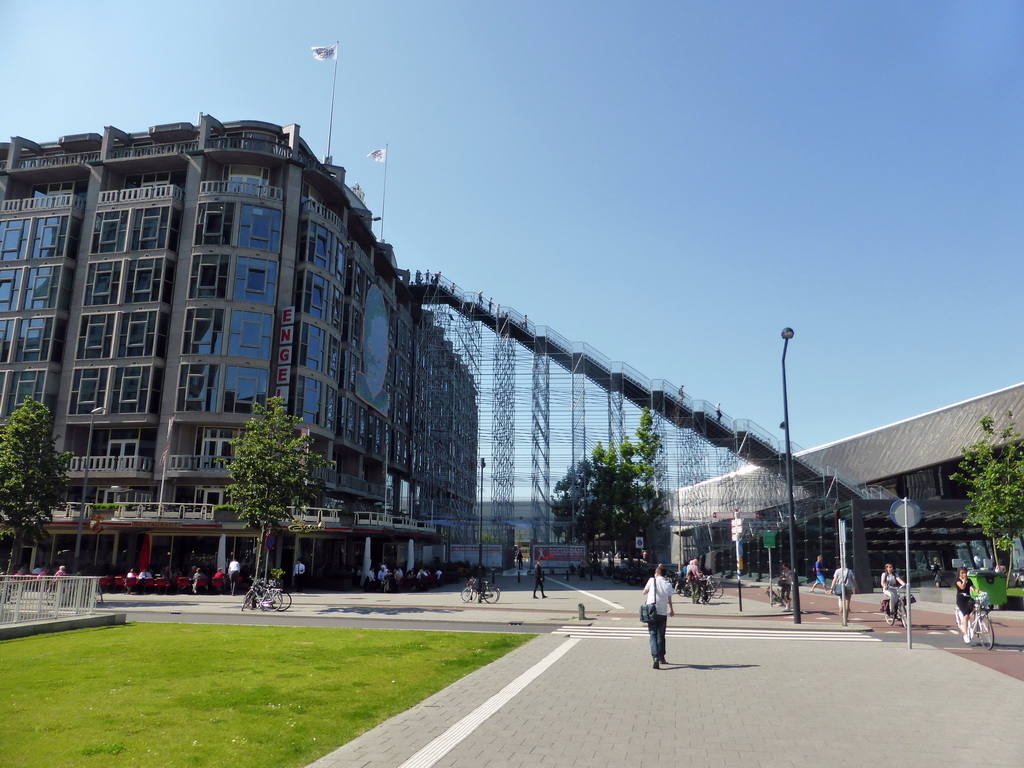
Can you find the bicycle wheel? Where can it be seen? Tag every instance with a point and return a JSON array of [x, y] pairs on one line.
[[468, 594], [286, 601], [617, 576], [719, 591], [249, 601], [985, 631], [901, 610], [492, 595]]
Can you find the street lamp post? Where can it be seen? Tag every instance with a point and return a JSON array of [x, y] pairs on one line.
[[480, 554], [85, 485], [787, 334]]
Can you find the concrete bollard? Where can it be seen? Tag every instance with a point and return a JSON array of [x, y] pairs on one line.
[[583, 611]]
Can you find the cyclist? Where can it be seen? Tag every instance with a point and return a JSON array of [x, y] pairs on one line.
[[964, 602], [693, 577], [889, 581]]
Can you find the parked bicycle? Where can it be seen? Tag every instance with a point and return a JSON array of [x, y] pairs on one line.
[[266, 596], [480, 592], [979, 625], [774, 592]]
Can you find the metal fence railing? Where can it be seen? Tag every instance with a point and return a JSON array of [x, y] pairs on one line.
[[34, 598]]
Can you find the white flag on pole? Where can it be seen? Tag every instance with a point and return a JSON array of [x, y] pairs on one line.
[[380, 155], [325, 53]]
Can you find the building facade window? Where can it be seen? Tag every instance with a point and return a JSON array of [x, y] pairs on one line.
[[142, 334], [14, 239], [147, 279], [136, 389], [243, 388], [155, 229], [96, 336], [38, 340], [23, 385], [308, 399], [6, 339], [48, 288], [197, 388], [10, 289], [208, 278], [110, 232], [318, 245], [50, 239], [88, 390], [314, 295], [313, 347], [102, 283], [204, 330], [214, 223], [260, 228], [251, 333], [255, 280]]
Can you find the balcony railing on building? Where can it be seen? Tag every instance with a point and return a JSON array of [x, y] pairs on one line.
[[111, 464], [49, 161], [155, 149], [47, 203], [241, 188], [312, 206], [250, 145], [304, 517], [156, 192]]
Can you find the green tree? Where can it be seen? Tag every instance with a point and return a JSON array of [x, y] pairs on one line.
[[33, 476], [273, 467], [572, 503], [618, 487], [992, 471]]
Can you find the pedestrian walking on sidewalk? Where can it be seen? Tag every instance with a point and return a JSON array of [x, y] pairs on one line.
[[786, 587], [819, 575], [844, 584], [538, 580], [659, 593]]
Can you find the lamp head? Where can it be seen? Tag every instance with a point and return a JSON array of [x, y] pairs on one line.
[[787, 333], [98, 411]]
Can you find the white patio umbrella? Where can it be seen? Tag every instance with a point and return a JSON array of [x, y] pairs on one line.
[[410, 561], [366, 561], [222, 560]]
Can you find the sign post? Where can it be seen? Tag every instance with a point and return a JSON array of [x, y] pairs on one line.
[[906, 514]]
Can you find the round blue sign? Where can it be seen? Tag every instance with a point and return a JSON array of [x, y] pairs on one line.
[[270, 541], [905, 513]]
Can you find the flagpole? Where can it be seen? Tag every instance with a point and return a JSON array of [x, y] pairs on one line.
[[163, 472], [334, 87], [384, 192]]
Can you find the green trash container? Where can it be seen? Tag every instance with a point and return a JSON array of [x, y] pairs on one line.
[[991, 582]]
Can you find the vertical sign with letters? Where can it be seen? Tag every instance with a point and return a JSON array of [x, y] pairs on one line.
[[285, 345]]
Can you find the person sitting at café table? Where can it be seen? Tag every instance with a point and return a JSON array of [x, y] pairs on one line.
[[198, 579], [145, 578]]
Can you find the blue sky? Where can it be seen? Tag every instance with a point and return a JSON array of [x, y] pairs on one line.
[[670, 182]]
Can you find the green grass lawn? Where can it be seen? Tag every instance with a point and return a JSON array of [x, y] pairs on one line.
[[204, 696]]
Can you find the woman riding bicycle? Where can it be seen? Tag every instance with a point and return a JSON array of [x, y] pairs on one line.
[[964, 602], [890, 581]]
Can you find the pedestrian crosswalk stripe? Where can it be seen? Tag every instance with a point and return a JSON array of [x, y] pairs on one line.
[[626, 633]]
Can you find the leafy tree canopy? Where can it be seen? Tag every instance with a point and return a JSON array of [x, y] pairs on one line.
[[615, 492], [992, 471], [33, 475], [274, 467]]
